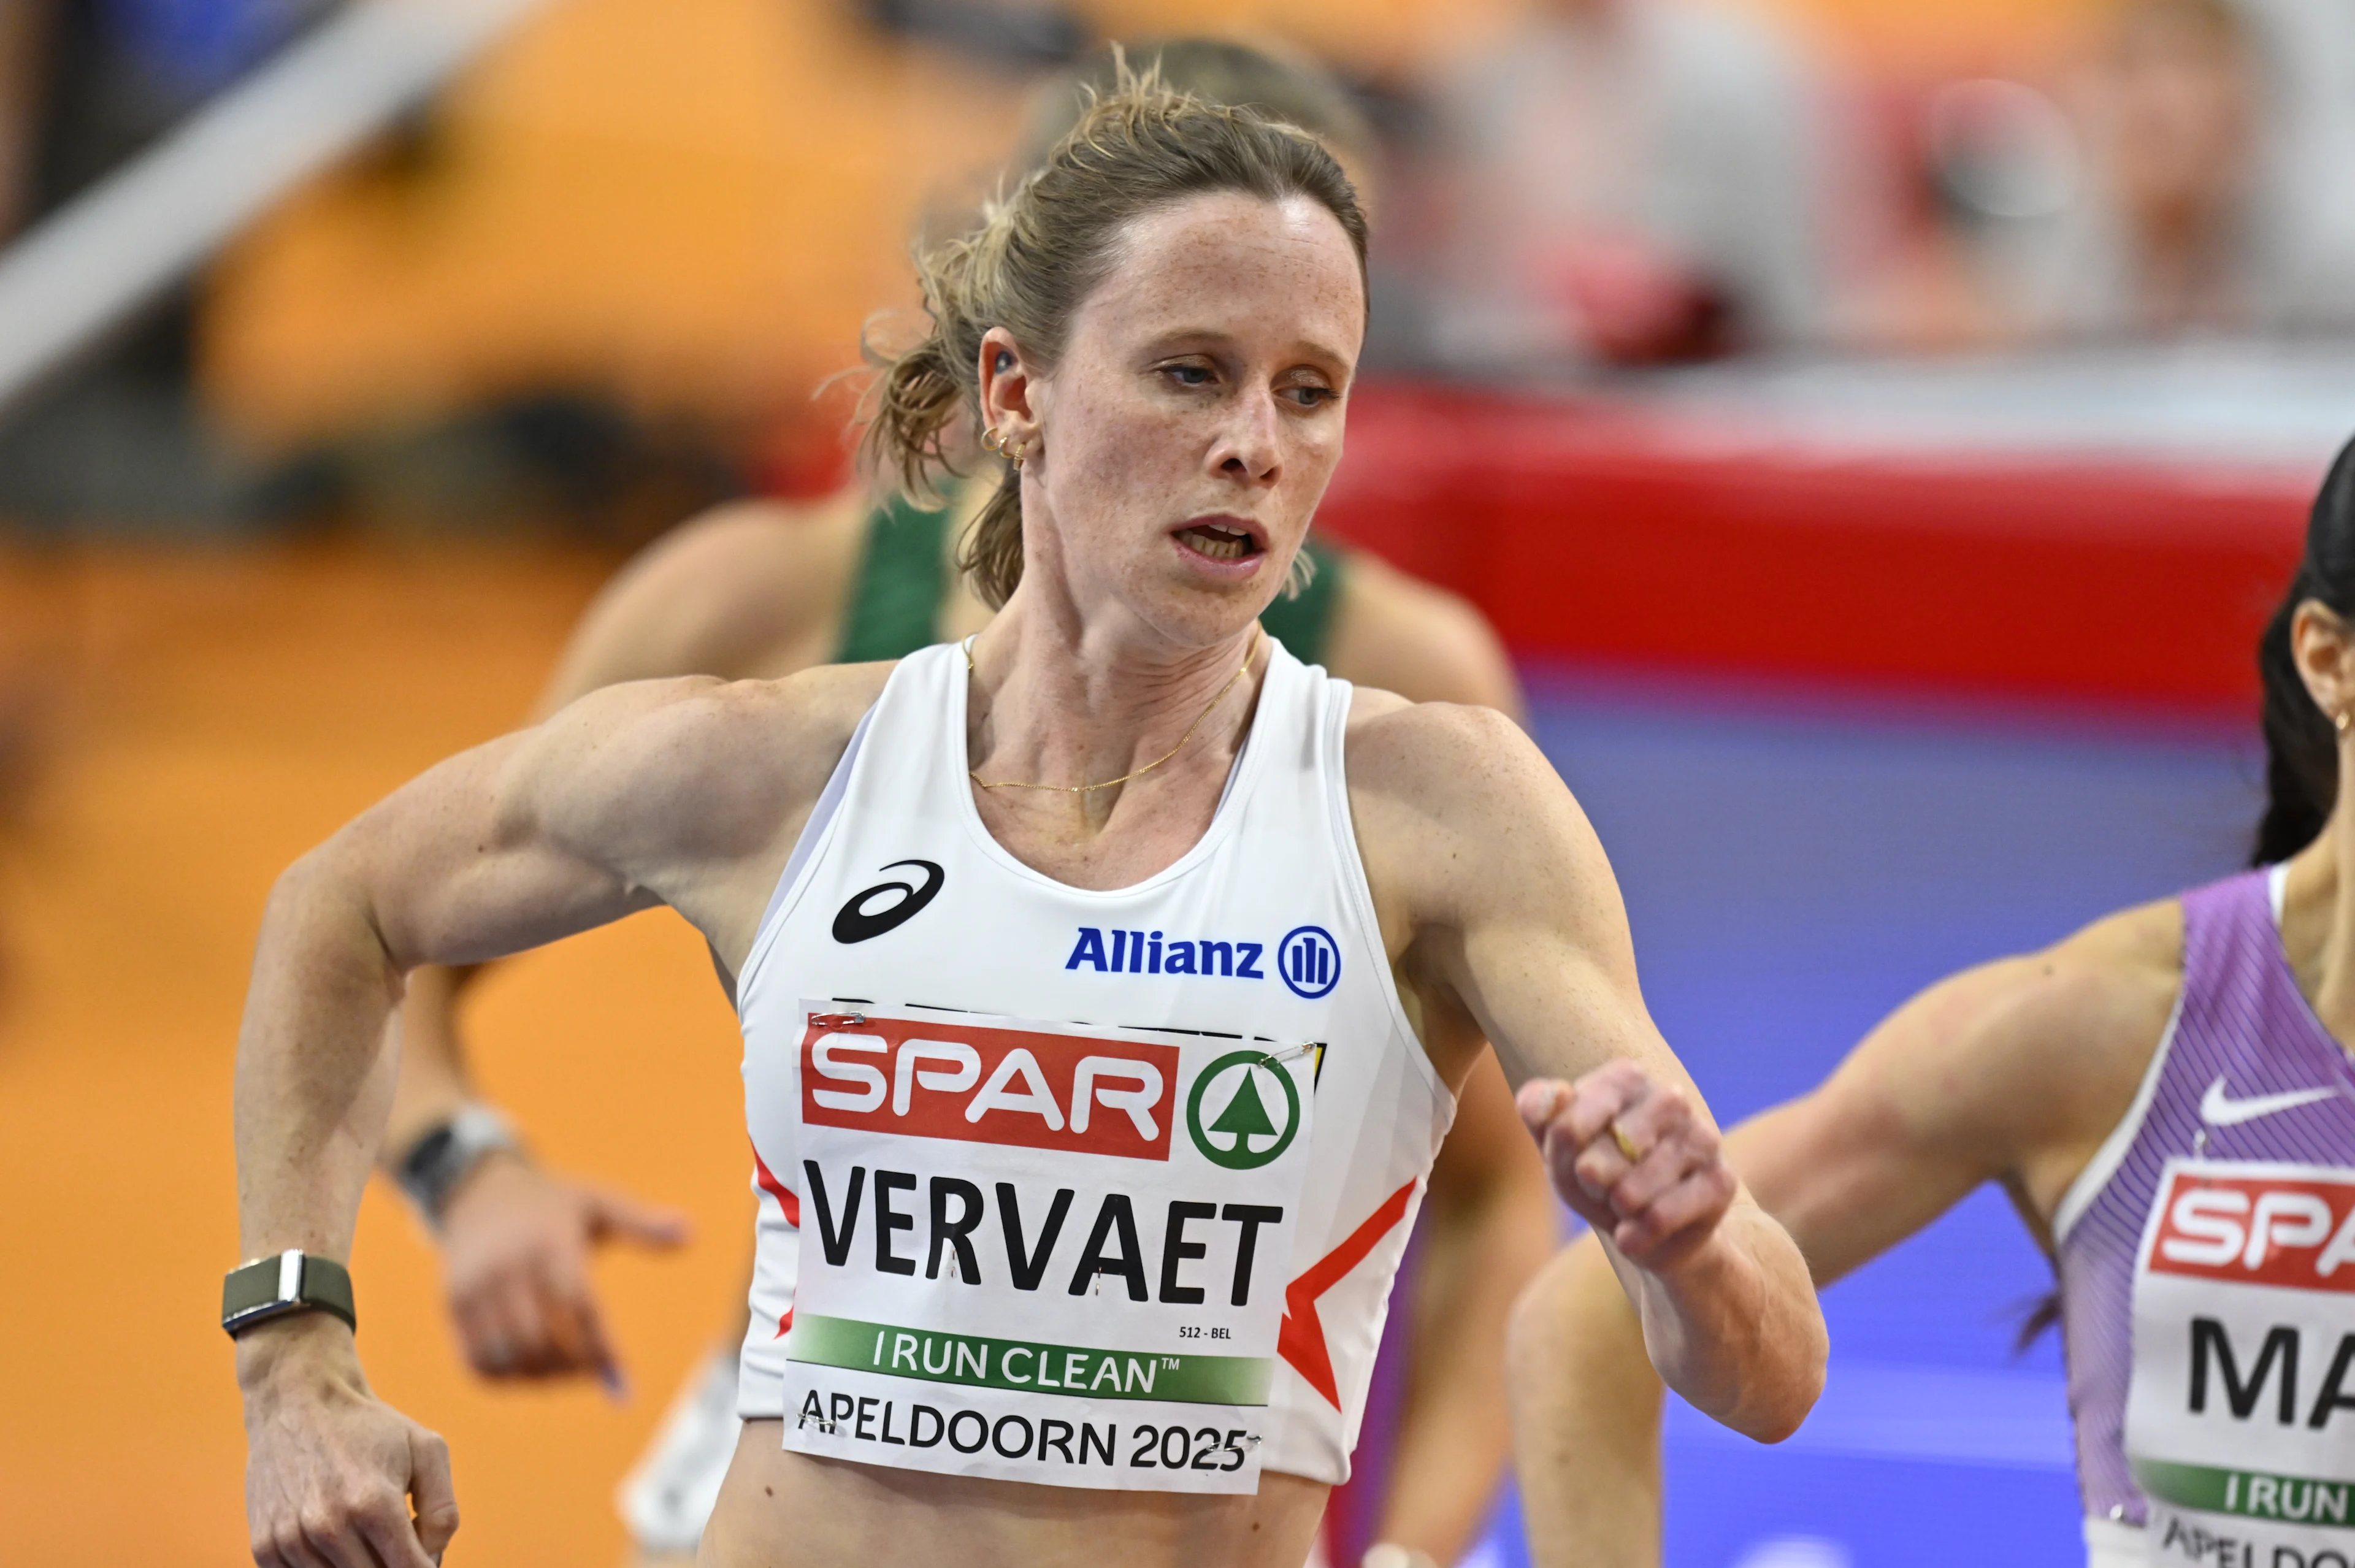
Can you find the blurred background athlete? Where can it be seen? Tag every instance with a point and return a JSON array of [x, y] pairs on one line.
[[2169, 1100], [762, 589]]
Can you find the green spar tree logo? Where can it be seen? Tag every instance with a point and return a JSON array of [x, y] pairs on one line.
[[1244, 1118]]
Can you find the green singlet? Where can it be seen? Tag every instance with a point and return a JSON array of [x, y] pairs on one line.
[[903, 582]]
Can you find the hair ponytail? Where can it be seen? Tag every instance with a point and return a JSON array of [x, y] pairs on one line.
[[920, 395], [916, 399], [2301, 743]]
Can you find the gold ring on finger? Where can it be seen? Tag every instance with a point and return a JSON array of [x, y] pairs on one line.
[[1626, 1144]]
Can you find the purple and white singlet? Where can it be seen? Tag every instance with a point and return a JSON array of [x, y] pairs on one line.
[[2207, 1269]]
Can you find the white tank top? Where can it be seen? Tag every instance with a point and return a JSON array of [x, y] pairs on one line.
[[1102, 1189]]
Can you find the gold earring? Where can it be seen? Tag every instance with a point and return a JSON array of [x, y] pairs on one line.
[[2345, 721], [993, 442]]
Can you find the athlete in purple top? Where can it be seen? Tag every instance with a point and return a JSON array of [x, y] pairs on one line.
[[2169, 1100]]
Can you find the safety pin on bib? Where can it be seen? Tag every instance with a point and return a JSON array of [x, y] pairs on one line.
[[828, 1022], [1313, 1049]]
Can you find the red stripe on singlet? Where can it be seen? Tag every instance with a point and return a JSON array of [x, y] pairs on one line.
[[1302, 1340], [776, 1189], [790, 1204]]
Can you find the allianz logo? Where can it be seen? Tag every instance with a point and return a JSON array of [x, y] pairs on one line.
[[1118, 952], [1309, 961]]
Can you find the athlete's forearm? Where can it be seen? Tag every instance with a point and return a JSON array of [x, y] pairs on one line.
[[1736, 1327], [1479, 1249], [312, 1086], [1586, 1418]]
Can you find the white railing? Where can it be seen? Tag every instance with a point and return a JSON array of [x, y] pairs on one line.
[[66, 284]]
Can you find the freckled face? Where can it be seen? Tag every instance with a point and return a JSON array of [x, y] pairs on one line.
[[1196, 416]]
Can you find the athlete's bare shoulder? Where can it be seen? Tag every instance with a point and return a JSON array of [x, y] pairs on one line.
[[1459, 817], [2063, 1039], [732, 753], [2030, 1041], [693, 788], [804, 720], [814, 711], [1385, 728], [1442, 762], [2014, 1070], [2096, 1003], [752, 589], [2110, 985]]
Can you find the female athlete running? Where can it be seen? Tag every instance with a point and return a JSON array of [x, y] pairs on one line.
[[1104, 979], [764, 588], [2167, 1098]]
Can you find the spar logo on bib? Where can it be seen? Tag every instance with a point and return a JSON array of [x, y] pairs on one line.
[[1243, 1111], [989, 1086], [2296, 1232]]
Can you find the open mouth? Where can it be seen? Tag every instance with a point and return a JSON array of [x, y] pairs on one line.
[[1218, 540]]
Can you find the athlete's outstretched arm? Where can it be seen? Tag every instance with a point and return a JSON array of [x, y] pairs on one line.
[[752, 589], [1505, 922], [644, 794], [2012, 1072], [1489, 1216]]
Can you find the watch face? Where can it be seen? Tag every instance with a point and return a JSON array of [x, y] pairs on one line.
[[437, 1162]]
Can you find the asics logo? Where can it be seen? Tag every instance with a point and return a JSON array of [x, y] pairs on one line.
[[854, 922], [2218, 1111]]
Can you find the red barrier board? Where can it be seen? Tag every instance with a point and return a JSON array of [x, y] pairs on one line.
[[1592, 531]]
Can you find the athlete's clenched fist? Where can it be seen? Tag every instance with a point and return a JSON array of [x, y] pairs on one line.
[[1636, 1160], [330, 1470]]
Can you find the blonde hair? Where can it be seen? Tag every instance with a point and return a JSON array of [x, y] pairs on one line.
[[1040, 250], [1270, 79]]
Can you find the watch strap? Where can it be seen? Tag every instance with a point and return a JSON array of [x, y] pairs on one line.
[[290, 1281]]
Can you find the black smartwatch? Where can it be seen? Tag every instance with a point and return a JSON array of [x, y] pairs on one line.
[[292, 1281], [446, 1153]]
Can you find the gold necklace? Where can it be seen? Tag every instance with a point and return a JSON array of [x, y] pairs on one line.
[[1249, 655]]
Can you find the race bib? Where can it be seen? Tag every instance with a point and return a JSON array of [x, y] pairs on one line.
[[1045, 1252], [2241, 1420]]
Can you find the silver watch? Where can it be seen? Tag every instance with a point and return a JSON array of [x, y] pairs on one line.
[[446, 1153]]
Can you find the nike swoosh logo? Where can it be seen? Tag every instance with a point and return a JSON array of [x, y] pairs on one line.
[[2219, 1112]]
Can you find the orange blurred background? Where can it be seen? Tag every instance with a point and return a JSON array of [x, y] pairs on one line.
[[231, 710]]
